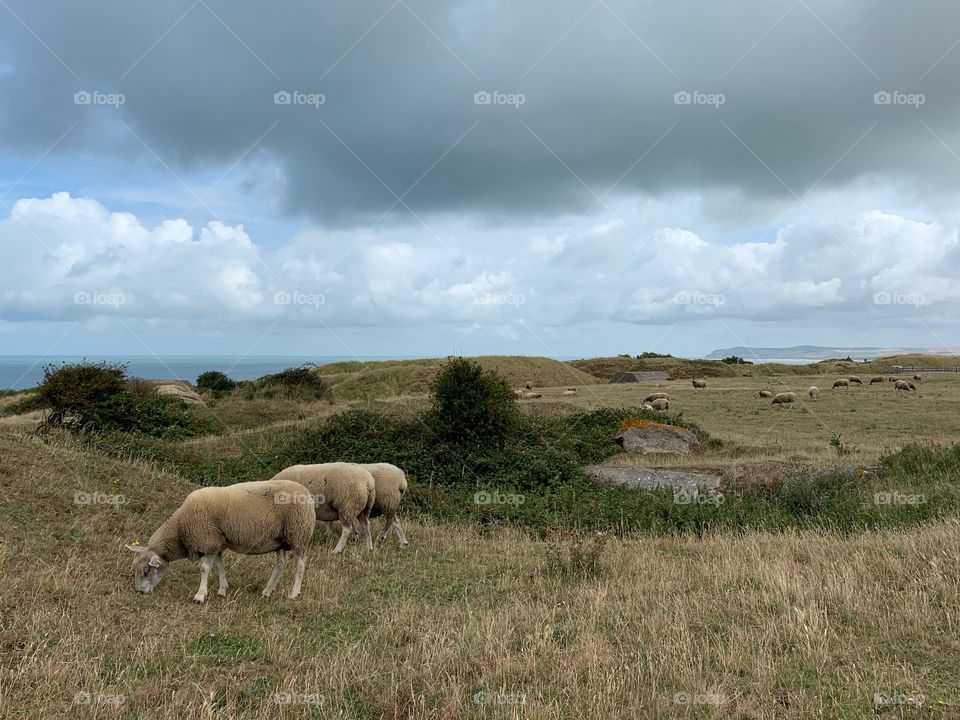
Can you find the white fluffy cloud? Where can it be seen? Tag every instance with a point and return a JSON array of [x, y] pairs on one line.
[[67, 258]]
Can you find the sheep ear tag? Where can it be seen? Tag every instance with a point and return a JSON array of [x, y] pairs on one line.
[[135, 548], [155, 562]]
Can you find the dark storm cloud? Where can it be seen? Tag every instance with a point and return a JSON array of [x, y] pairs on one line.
[[798, 81]]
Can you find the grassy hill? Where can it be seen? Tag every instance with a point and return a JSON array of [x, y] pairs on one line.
[[362, 380], [604, 368]]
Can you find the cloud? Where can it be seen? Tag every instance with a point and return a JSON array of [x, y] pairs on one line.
[[67, 258]]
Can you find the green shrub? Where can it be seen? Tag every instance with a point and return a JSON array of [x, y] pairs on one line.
[[471, 406], [300, 383], [30, 402], [576, 559], [215, 381]]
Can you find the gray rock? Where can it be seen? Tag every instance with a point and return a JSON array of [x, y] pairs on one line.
[[658, 439]]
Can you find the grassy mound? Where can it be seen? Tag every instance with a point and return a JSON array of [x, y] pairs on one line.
[[676, 368]]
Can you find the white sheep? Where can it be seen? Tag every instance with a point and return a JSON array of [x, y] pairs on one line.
[[876, 379], [570, 391], [656, 396], [904, 385], [647, 406], [249, 518], [660, 404], [784, 398], [843, 382], [343, 492], [813, 391], [918, 378], [855, 380], [764, 394], [699, 384], [391, 485]]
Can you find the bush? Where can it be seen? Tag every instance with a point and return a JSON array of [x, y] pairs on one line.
[[472, 406], [735, 360], [95, 397], [215, 381], [300, 383]]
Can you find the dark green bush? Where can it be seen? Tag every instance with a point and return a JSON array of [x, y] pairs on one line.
[[471, 406], [300, 383], [215, 381]]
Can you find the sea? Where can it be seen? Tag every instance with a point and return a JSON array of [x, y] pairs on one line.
[[19, 372]]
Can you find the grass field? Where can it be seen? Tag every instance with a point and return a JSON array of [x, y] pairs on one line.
[[478, 621]]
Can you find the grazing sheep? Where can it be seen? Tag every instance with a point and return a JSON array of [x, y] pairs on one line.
[[877, 379], [912, 386], [250, 518], [656, 396], [699, 384], [660, 404], [391, 485], [841, 383], [813, 392], [764, 394], [904, 385], [647, 406], [569, 391], [891, 379], [784, 398], [918, 378], [529, 386], [343, 492], [530, 395], [854, 380]]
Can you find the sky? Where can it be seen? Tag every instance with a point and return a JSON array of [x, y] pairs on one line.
[[434, 177]]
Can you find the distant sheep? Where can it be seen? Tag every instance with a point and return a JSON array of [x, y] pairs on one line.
[[784, 398], [699, 384], [656, 396], [660, 404], [918, 378], [891, 379], [855, 380], [343, 492], [764, 394], [904, 385], [647, 406], [530, 395], [877, 379], [528, 386], [249, 518], [813, 392], [569, 391], [841, 383]]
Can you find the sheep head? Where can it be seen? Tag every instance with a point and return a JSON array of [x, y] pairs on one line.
[[148, 569]]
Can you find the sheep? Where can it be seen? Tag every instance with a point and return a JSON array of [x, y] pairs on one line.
[[391, 485], [764, 394], [904, 385], [918, 378], [569, 391], [784, 398], [647, 406], [660, 404], [855, 380], [656, 396], [530, 395], [343, 492], [876, 379], [841, 383], [813, 391], [250, 518], [699, 384], [891, 379], [912, 386], [528, 386]]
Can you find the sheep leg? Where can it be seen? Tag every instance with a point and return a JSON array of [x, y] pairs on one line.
[[328, 532], [222, 591], [399, 530], [387, 524], [364, 521], [206, 562], [298, 576], [275, 575], [346, 527]]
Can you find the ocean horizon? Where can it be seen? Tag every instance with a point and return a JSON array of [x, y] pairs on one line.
[[21, 372]]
